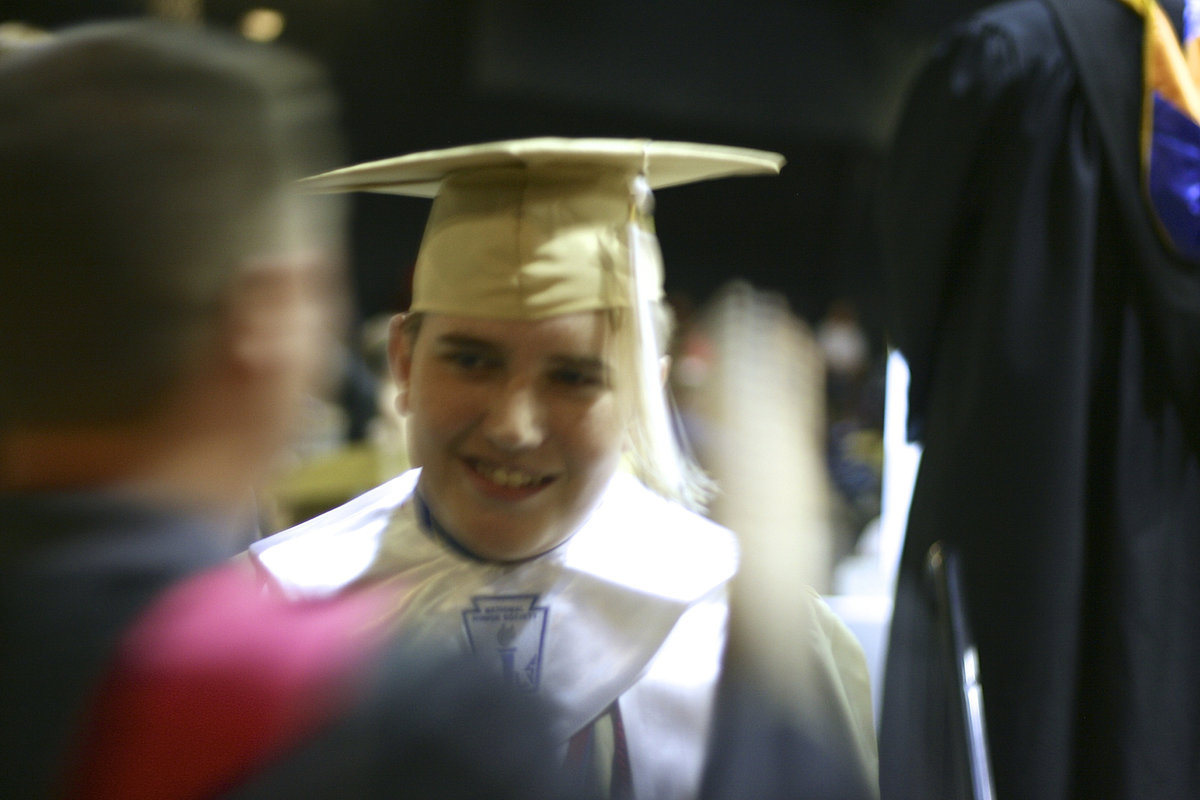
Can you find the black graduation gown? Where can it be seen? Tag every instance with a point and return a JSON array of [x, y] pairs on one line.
[[1053, 345]]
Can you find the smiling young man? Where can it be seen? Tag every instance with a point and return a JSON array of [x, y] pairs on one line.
[[546, 527], [520, 428]]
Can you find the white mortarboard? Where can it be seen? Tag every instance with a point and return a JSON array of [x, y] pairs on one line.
[[532, 228]]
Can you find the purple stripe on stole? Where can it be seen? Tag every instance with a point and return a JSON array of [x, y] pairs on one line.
[[1174, 177]]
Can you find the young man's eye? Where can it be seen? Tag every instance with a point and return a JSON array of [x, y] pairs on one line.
[[577, 378], [469, 361]]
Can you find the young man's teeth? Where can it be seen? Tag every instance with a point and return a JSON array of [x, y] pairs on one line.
[[510, 478]]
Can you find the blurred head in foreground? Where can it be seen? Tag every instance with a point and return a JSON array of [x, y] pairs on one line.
[[164, 289]]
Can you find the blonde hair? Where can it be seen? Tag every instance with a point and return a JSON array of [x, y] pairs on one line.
[[658, 452]]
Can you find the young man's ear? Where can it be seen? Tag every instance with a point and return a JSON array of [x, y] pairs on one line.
[[400, 349]]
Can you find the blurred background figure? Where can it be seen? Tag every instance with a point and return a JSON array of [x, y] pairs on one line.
[[847, 354], [168, 301], [1050, 317], [854, 419]]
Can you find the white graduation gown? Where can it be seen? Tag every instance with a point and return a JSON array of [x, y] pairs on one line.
[[633, 605]]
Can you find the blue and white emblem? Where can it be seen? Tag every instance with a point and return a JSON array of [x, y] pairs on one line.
[[508, 632]]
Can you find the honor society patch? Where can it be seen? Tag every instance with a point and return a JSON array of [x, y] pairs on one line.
[[508, 632]]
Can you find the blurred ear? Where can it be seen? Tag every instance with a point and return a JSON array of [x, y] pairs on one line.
[[265, 317], [400, 349], [285, 313]]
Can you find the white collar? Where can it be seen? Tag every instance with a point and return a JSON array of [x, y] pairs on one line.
[[577, 624]]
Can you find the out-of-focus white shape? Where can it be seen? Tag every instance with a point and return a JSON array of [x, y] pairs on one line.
[[262, 24], [900, 461], [865, 581]]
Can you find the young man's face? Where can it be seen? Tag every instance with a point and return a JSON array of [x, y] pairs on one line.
[[515, 425]]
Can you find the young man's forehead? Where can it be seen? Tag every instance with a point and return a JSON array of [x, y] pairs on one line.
[[582, 333]]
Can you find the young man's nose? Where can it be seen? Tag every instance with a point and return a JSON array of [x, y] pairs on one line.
[[515, 418]]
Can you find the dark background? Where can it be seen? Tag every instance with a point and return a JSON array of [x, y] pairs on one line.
[[820, 81]]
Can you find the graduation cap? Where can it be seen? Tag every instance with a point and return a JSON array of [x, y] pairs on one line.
[[533, 228]]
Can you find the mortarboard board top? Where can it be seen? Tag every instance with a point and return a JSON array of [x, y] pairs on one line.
[[663, 163]]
